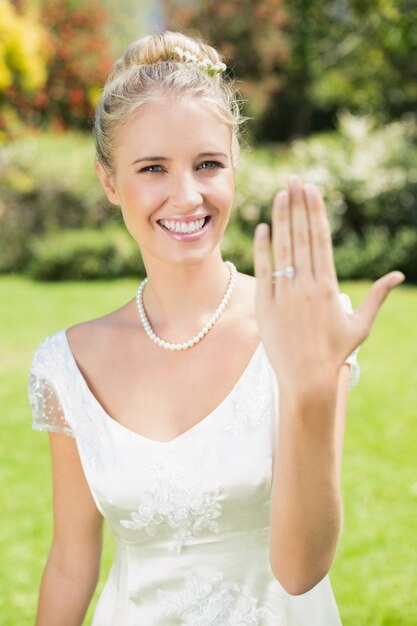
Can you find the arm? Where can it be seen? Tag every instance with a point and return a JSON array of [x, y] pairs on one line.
[[72, 568], [303, 324], [306, 508]]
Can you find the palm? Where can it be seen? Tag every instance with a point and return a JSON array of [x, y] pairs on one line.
[[302, 321]]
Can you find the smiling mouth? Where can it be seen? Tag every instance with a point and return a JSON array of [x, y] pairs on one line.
[[185, 227]]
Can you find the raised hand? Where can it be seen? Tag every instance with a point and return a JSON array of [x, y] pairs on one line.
[[306, 332]]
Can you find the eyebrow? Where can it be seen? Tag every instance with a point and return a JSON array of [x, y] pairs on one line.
[[162, 158]]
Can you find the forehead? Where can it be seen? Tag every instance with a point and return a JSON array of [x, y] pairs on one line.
[[173, 125]]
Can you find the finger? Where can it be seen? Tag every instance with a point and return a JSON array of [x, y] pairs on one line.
[[379, 291], [263, 265], [281, 236], [300, 228], [321, 236]]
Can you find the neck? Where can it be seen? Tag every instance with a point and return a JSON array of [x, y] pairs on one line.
[[179, 300]]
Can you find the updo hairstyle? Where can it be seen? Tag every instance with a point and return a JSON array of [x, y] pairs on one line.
[[149, 70]]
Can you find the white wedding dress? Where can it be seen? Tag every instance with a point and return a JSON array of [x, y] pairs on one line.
[[190, 516]]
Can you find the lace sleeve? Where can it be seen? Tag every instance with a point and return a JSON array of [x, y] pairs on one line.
[[352, 358], [47, 411]]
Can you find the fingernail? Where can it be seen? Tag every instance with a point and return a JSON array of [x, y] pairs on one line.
[[295, 181], [310, 190], [282, 199], [397, 279], [262, 231]]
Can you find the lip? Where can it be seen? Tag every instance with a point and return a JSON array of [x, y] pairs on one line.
[[187, 236]]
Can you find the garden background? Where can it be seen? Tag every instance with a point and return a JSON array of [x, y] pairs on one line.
[[331, 91]]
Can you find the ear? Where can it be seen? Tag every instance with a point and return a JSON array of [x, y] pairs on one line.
[[107, 182]]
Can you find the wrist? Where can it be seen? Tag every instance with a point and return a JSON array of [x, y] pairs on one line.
[[312, 404], [309, 389]]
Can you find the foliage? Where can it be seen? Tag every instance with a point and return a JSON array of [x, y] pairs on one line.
[[367, 61], [47, 183], [79, 63], [368, 175], [85, 254], [301, 62], [23, 56], [378, 252], [249, 33], [360, 56]]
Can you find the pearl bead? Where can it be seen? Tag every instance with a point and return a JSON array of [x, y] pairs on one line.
[[192, 342]]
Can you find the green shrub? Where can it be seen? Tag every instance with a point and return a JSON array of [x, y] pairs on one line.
[[237, 246], [377, 253], [85, 254], [47, 182], [368, 176]]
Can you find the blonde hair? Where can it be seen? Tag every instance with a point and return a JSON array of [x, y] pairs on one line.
[[147, 71]]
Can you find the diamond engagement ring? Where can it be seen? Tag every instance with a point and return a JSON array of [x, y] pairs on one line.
[[288, 272]]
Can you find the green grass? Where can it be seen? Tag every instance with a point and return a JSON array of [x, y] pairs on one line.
[[374, 576]]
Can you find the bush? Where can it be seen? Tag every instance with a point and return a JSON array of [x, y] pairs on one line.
[[368, 176], [378, 253], [237, 246], [47, 182], [85, 254]]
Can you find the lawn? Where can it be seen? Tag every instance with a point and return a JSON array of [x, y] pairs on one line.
[[375, 573]]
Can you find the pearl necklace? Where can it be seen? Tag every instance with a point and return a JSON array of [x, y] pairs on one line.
[[203, 332]]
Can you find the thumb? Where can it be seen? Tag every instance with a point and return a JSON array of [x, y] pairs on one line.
[[369, 308]]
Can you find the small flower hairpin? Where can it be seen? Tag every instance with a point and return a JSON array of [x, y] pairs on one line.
[[204, 64]]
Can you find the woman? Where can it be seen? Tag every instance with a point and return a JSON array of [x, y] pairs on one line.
[[206, 416]]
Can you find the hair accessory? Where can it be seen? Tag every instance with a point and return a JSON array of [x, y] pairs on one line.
[[204, 64]]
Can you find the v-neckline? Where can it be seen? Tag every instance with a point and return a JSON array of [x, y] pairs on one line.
[[114, 423]]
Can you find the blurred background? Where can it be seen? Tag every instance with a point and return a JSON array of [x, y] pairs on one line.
[[331, 92]]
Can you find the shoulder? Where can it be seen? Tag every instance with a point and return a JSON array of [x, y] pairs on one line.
[[89, 340], [47, 353]]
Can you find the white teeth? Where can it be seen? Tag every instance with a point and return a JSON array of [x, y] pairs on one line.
[[184, 227]]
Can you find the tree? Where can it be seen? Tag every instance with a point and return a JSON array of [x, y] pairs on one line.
[[251, 34], [78, 65], [300, 61], [23, 56]]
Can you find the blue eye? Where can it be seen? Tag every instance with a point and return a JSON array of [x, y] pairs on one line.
[[213, 165], [148, 168]]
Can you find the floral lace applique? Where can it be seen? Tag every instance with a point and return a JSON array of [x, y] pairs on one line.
[[214, 602], [252, 403], [175, 501]]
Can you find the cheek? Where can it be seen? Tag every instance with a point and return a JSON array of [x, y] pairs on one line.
[[224, 192], [141, 199]]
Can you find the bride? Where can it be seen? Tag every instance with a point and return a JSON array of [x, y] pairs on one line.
[[205, 417]]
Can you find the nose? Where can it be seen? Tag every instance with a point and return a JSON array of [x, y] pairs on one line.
[[185, 192]]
